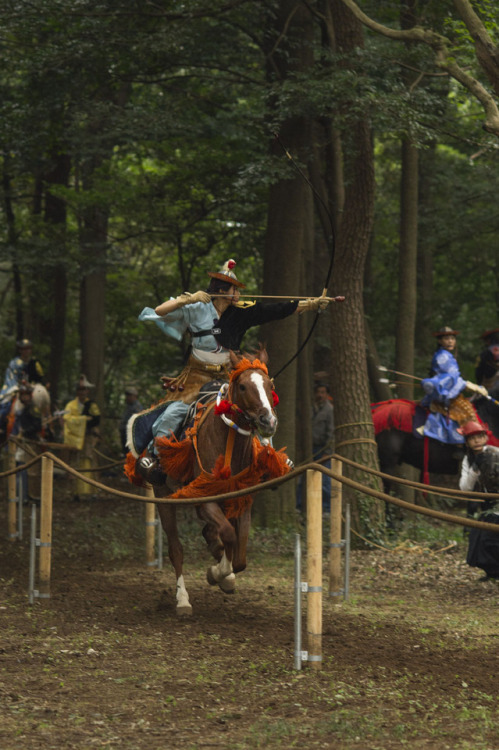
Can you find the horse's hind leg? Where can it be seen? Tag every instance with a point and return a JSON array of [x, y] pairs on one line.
[[168, 516]]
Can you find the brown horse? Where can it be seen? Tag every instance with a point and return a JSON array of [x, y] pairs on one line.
[[219, 454]]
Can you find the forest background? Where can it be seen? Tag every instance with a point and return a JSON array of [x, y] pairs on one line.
[[138, 152]]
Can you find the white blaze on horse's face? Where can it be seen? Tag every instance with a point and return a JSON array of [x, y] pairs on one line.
[[266, 420]]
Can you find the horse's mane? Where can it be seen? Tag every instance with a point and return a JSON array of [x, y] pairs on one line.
[[246, 364]]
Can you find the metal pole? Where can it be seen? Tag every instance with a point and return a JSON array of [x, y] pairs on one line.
[[32, 556], [297, 659]]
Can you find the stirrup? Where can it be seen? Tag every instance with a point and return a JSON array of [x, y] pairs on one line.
[[149, 469]]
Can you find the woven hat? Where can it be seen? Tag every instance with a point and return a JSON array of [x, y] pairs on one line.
[[445, 331], [83, 382], [489, 333], [471, 428], [131, 391], [227, 274]]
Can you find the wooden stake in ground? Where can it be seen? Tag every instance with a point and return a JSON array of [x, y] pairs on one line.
[[314, 568]]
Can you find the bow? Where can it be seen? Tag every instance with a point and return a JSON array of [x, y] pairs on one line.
[[331, 243]]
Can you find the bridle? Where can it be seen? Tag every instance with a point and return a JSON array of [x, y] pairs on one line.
[[224, 405]]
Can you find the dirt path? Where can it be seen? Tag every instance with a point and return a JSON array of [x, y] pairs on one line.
[[410, 661]]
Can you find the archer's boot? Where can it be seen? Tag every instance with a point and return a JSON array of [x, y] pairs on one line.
[[150, 469]]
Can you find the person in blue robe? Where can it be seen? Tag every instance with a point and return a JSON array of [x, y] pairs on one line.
[[443, 388]]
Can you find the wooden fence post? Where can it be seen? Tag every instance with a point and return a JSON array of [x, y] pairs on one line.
[[46, 526], [335, 544], [150, 527], [12, 493], [314, 567]]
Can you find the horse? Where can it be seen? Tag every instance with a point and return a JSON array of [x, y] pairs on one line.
[[11, 403], [394, 429], [221, 453]]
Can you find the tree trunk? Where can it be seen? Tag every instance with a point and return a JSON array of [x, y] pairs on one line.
[[289, 235], [93, 243], [354, 428], [55, 215], [407, 304]]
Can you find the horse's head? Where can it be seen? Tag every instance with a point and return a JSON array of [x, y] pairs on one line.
[[251, 391]]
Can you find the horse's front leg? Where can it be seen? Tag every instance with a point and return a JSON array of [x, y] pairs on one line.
[[222, 573], [168, 516], [242, 526]]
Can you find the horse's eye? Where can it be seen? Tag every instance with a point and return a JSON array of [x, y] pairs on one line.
[[242, 387]]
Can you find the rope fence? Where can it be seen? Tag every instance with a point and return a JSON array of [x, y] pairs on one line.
[[313, 471]]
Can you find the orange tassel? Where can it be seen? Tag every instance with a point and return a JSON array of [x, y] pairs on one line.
[[129, 469], [177, 458]]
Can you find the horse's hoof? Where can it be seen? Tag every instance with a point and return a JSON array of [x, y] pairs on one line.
[[228, 584], [184, 611], [210, 577]]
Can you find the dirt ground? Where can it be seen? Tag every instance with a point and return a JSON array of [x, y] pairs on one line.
[[410, 660]]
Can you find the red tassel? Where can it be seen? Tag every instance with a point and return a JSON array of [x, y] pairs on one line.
[[224, 407], [275, 398]]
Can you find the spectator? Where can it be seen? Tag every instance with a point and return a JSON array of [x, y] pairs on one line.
[[322, 440], [132, 406], [480, 472], [323, 435], [81, 430]]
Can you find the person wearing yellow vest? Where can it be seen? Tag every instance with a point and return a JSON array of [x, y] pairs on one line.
[[81, 431]]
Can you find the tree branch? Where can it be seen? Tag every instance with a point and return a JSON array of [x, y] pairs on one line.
[[443, 59]]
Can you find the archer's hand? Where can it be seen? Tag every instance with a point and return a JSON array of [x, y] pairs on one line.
[[480, 389], [314, 303], [190, 299]]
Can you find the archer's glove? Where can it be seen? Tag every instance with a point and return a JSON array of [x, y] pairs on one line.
[[314, 303], [189, 299], [477, 388]]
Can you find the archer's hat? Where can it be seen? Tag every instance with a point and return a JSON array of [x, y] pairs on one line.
[[227, 274], [489, 333], [445, 331], [24, 344]]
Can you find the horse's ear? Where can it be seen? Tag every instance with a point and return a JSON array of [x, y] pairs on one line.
[[234, 359], [263, 354]]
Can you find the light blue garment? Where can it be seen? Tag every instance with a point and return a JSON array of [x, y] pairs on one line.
[[168, 421], [13, 374], [444, 386], [200, 316]]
